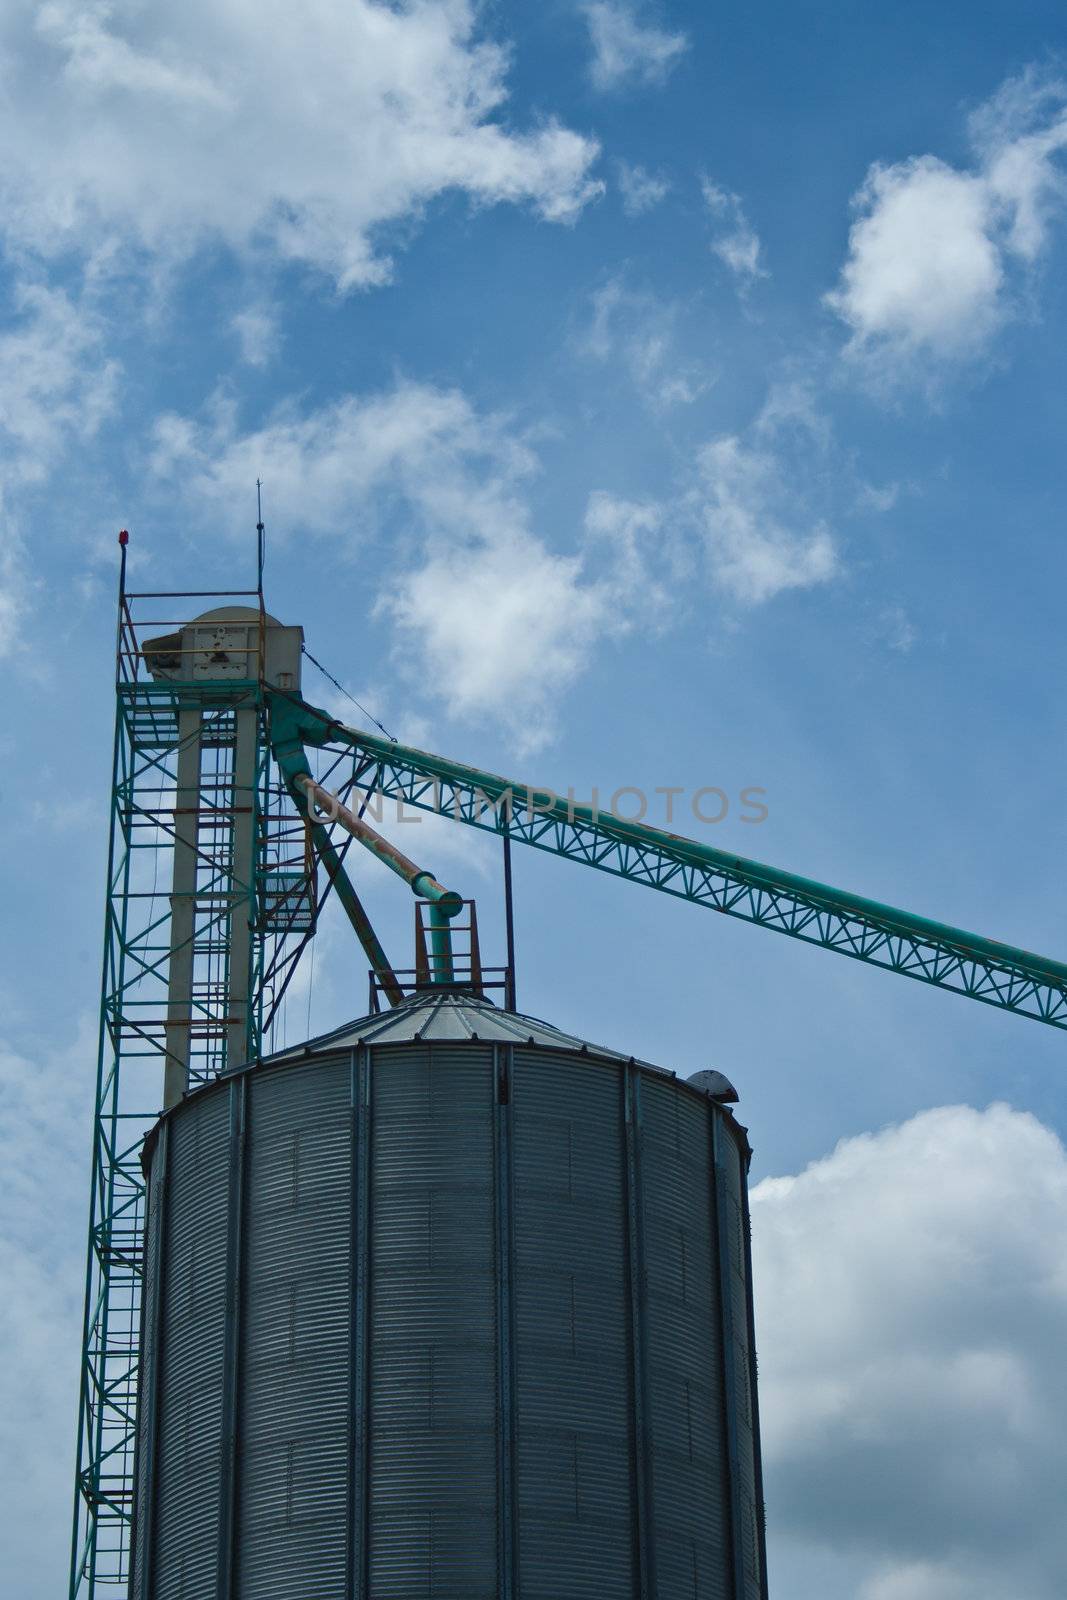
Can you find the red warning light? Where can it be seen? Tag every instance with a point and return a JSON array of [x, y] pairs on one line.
[[124, 537]]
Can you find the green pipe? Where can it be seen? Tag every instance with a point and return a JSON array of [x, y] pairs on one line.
[[421, 882], [446, 901], [440, 946]]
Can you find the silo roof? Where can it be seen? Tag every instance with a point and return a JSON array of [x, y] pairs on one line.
[[452, 1015]]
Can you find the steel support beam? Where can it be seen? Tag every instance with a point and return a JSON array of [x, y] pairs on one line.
[[183, 907]]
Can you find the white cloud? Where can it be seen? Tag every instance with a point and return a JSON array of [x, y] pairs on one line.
[[641, 190], [504, 624], [626, 51], [45, 1109], [923, 267], [734, 241], [13, 590], [304, 130], [639, 329], [55, 387], [912, 1289], [897, 630], [935, 252], [58, 816], [333, 471], [436, 842], [1016, 134], [606, 302], [753, 551], [54, 383], [791, 411], [750, 502], [489, 619], [644, 558], [257, 333], [878, 497], [500, 626], [928, 1580]]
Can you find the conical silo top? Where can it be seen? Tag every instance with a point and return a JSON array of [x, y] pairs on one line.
[[455, 1016]]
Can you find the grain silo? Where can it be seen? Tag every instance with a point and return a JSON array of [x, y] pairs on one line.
[[448, 1303]]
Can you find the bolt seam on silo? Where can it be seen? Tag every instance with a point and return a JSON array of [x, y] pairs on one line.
[[642, 1433], [231, 1376], [151, 1341], [507, 1554], [757, 1447], [726, 1326], [359, 1462]]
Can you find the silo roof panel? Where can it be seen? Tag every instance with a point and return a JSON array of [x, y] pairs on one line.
[[451, 1015]]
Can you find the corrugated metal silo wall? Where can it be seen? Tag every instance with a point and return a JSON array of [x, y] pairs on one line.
[[469, 1321]]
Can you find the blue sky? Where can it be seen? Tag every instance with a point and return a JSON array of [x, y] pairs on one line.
[[647, 395]]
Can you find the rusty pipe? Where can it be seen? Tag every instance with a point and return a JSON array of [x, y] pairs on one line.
[[327, 807]]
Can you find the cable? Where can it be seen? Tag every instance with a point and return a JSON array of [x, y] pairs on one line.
[[391, 736]]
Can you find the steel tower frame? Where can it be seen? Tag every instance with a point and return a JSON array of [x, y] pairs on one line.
[[175, 797]]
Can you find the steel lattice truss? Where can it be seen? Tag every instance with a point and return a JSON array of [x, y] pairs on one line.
[[948, 958]]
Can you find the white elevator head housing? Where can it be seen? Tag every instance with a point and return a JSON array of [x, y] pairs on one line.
[[227, 644]]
